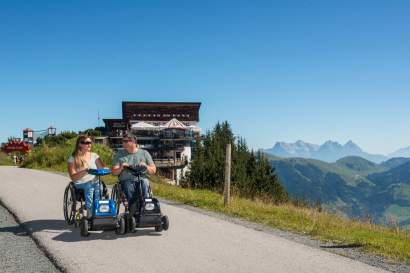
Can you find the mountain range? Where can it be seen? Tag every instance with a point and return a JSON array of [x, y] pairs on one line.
[[403, 152], [352, 186], [330, 151]]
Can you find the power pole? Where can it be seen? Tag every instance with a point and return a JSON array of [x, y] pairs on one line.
[[98, 118], [227, 186]]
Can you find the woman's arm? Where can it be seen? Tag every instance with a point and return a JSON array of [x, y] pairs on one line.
[[74, 175], [99, 163]]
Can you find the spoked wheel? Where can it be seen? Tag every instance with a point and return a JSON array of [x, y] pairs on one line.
[[84, 227], [120, 230], [69, 204]]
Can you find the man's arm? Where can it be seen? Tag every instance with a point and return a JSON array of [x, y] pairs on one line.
[[117, 169], [151, 168]]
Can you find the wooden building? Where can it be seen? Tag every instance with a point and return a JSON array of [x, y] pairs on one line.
[[168, 130]]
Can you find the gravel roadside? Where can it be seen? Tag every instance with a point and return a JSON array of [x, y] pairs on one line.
[[18, 251]]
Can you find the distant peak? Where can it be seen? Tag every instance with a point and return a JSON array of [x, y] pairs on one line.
[[331, 142], [350, 143]]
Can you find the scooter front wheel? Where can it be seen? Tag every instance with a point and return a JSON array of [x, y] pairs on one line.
[[84, 227], [120, 230], [165, 222]]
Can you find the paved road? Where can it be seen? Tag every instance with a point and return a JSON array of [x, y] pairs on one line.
[[194, 243]]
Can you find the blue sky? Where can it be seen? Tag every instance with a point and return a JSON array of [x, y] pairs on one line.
[[276, 70]]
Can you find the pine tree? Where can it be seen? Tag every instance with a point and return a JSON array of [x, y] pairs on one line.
[[252, 174]]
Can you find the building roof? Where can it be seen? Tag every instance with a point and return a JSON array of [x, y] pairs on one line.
[[174, 124], [160, 111], [160, 103]]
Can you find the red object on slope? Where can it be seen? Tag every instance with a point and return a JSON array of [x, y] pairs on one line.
[[16, 145]]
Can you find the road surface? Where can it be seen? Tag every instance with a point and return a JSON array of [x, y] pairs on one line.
[[195, 242]]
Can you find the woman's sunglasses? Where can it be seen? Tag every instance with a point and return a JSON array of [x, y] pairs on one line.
[[86, 142]]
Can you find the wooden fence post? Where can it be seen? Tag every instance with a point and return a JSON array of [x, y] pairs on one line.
[[227, 186]]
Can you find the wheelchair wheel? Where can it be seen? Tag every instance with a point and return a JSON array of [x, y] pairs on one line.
[[116, 196], [69, 204]]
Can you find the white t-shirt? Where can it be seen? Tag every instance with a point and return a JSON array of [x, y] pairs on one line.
[[91, 165]]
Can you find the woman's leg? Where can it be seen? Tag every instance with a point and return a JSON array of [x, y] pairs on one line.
[[88, 195], [96, 191]]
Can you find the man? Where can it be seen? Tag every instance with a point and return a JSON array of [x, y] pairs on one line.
[[132, 155]]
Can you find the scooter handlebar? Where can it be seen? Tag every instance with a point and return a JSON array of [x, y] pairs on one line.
[[99, 172], [136, 170]]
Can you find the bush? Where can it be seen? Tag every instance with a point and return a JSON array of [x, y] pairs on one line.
[[54, 152], [5, 159], [57, 140]]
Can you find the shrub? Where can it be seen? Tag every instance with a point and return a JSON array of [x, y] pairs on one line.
[[5, 159]]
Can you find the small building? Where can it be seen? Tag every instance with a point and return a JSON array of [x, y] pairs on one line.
[[168, 130]]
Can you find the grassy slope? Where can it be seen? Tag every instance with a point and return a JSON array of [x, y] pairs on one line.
[[348, 186], [5, 160]]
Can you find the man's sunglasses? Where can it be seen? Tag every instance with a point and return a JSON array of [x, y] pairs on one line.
[[86, 142], [126, 140]]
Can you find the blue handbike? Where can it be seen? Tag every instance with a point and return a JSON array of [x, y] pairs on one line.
[[104, 210]]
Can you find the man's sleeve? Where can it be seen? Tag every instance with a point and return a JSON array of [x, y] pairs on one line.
[[148, 158]]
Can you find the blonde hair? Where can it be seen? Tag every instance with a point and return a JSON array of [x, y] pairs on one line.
[[78, 161]]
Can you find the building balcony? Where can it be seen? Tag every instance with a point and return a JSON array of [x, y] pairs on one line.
[[170, 163]]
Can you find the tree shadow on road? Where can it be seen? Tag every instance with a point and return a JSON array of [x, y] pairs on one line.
[[66, 233]]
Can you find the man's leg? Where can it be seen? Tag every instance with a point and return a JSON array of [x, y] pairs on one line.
[[146, 188], [129, 190]]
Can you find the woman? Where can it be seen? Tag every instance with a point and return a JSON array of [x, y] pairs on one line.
[[81, 160]]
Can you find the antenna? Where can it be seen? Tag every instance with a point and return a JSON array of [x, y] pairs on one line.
[[98, 118]]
